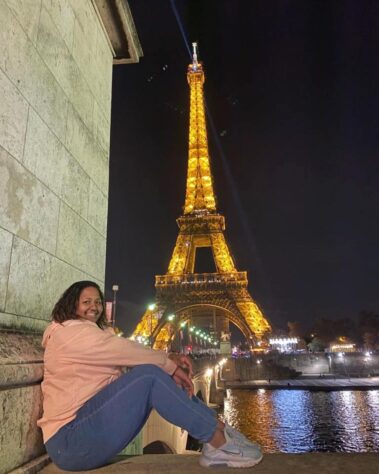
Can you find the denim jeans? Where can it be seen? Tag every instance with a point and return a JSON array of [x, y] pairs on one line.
[[110, 420]]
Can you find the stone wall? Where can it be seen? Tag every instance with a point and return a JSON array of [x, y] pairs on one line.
[[55, 79], [56, 59]]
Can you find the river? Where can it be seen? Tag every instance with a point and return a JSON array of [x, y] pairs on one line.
[[299, 421]]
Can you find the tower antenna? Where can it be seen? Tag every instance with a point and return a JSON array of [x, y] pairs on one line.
[[194, 56]]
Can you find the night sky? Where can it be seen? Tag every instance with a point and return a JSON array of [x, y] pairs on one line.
[[292, 91]]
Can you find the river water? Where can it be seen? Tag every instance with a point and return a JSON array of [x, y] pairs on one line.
[[298, 421]]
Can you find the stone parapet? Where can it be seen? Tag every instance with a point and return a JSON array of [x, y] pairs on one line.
[[21, 371], [326, 463]]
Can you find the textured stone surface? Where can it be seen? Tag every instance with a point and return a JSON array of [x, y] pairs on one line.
[[13, 117], [74, 229], [25, 203], [62, 15], [22, 323], [326, 463], [20, 398], [5, 258], [24, 66], [27, 13], [82, 145], [40, 143], [20, 441], [98, 209], [21, 359], [36, 280]]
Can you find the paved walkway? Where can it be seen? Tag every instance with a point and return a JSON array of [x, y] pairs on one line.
[[310, 384], [325, 463]]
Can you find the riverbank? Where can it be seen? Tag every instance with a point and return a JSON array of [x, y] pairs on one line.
[[320, 383], [310, 463]]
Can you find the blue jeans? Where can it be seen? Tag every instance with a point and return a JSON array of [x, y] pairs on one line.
[[110, 420]]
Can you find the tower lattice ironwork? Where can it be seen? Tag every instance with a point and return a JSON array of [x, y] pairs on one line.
[[214, 298]]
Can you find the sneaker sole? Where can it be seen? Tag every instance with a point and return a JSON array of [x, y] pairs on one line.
[[204, 462]]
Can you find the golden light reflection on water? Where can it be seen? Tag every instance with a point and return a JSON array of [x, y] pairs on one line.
[[303, 421]]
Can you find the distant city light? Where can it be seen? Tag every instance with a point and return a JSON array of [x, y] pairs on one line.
[[284, 340], [284, 344], [342, 348]]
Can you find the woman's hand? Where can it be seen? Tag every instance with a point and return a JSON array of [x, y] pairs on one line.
[[182, 361], [183, 380]]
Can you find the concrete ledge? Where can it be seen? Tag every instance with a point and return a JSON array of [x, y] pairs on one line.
[[118, 24], [326, 463]]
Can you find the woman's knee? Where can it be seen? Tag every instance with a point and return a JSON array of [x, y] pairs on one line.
[[148, 369]]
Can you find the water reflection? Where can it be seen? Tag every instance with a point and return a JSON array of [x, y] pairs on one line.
[[301, 421]]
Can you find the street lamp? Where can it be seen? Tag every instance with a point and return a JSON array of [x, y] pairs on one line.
[[151, 307], [115, 290]]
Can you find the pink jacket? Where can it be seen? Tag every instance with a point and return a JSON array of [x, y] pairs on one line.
[[80, 359]]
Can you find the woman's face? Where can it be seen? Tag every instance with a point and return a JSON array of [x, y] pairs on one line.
[[89, 305]]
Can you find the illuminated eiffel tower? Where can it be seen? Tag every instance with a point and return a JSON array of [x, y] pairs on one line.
[[206, 300]]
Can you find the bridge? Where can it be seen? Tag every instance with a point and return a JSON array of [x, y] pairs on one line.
[[158, 435]]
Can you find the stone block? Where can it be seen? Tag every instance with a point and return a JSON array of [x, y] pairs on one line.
[[25, 204], [70, 241], [82, 145], [49, 277], [25, 68], [86, 17], [22, 323], [63, 276], [27, 13], [44, 154], [102, 66], [98, 209], [63, 17], [83, 53], [5, 259], [21, 359], [21, 371], [29, 290], [20, 441], [56, 54], [101, 128], [80, 245], [13, 118], [76, 186]]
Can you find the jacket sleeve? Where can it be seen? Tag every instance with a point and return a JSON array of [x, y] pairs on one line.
[[92, 346]]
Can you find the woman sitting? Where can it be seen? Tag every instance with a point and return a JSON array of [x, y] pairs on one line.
[[92, 410]]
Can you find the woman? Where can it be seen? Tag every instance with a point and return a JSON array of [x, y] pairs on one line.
[[91, 410]]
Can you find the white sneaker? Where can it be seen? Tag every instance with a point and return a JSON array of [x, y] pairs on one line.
[[231, 454], [238, 436]]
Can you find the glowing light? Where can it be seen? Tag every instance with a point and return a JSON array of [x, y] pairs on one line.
[[209, 372], [151, 307], [171, 317], [282, 341], [342, 348]]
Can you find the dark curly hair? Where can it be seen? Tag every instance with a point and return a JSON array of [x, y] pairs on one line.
[[65, 308]]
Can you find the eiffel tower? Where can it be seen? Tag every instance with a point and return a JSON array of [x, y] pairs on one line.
[[206, 300]]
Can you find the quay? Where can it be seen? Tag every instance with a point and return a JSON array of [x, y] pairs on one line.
[[321, 383], [310, 463]]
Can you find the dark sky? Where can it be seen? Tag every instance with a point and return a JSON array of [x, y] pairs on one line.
[[292, 89]]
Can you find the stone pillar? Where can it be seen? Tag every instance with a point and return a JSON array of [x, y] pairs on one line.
[[56, 62]]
